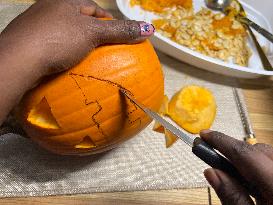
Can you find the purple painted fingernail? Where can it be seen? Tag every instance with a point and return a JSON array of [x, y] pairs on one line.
[[146, 29]]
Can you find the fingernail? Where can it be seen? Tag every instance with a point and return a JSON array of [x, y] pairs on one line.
[[204, 132], [212, 178], [146, 29], [87, 10]]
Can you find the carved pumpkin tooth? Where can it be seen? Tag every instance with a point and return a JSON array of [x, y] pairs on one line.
[[87, 143], [41, 116]]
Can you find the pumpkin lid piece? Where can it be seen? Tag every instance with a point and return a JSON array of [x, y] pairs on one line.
[[193, 108]]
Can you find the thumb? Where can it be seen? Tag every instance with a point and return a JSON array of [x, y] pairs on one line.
[[125, 31], [227, 189]]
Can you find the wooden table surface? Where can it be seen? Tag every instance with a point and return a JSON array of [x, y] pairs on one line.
[[259, 98]]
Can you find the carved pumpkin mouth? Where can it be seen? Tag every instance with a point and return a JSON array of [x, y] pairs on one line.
[[41, 116], [86, 143]]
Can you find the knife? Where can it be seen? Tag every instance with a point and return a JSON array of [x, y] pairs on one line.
[[199, 147]]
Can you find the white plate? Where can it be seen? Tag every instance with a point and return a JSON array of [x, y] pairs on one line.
[[260, 12]]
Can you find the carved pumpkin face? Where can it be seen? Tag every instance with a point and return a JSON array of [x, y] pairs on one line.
[[82, 111]]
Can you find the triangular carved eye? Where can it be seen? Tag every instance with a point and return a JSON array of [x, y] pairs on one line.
[[86, 143], [41, 116]]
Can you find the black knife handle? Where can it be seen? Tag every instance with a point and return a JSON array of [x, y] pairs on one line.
[[206, 153]]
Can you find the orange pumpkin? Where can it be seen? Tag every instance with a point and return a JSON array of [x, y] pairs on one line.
[[82, 111]]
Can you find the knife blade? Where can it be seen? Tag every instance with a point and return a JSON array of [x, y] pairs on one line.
[[183, 136], [199, 147]]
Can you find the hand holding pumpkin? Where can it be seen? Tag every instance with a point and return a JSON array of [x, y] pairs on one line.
[[52, 36], [60, 33]]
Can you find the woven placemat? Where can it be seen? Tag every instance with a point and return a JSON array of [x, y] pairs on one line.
[[142, 163]]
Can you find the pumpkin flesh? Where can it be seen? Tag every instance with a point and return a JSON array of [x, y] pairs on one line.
[[193, 108]]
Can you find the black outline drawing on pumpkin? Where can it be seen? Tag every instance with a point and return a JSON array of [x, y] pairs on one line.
[[72, 75], [89, 103]]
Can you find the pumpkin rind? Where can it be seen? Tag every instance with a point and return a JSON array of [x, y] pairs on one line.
[[86, 103]]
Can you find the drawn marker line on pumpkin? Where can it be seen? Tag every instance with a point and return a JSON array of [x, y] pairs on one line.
[[131, 112], [88, 103], [86, 100], [100, 107], [131, 122], [104, 80], [95, 121]]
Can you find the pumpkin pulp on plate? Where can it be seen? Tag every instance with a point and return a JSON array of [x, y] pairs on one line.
[[160, 5]]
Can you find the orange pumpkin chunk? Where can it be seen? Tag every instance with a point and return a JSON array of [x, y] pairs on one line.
[[158, 127], [193, 108], [170, 138], [163, 110]]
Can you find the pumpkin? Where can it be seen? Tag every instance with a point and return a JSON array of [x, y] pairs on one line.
[[193, 108], [82, 111]]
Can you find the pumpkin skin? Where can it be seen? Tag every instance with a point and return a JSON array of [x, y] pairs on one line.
[[82, 110]]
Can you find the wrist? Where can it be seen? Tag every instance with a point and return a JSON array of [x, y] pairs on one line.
[[19, 72]]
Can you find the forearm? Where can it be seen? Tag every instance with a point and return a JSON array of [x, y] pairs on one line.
[[52, 36], [17, 75]]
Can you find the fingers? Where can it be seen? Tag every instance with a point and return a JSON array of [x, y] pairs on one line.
[[266, 149], [95, 11], [91, 8], [121, 31], [255, 166], [227, 189]]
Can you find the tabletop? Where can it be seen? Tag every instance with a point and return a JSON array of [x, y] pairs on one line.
[[259, 99]]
